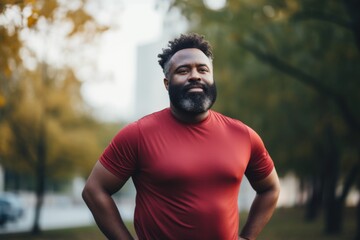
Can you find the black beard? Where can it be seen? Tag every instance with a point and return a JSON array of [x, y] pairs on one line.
[[192, 102]]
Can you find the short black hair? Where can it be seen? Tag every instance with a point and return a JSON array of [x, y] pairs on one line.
[[190, 40]]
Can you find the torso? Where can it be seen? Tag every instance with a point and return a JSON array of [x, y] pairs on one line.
[[188, 177]]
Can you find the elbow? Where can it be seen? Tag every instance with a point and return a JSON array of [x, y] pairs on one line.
[[277, 191], [276, 188], [86, 193], [274, 192]]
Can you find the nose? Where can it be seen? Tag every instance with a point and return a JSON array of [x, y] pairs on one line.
[[194, 75]]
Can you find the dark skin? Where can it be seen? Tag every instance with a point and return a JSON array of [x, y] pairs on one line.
[[97, 192], [186, 66]]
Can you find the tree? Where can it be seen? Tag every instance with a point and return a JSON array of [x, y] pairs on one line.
[[312, 124], [43, 120]]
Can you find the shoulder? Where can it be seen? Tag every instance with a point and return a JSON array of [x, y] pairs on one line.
[[228, 121], [150, 119], [129, 133], [154, 118], [255, 138], [148, 124], [237, 125]]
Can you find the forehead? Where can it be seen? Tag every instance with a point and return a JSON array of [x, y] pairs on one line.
[[189, 56]]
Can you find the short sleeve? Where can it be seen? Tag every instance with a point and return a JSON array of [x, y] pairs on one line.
[[260, 164], [120, 156]]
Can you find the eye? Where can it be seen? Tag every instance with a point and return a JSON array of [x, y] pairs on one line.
[[203, 69], [182, 70]]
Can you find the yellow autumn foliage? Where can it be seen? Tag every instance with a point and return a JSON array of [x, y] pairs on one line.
[[43, 119]]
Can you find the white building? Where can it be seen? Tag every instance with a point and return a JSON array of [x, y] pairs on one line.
[[150, 93]]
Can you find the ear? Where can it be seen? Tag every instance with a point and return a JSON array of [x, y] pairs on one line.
[[166, 83]]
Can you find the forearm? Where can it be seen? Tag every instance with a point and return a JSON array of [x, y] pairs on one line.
[[106, 215], [260, 213]]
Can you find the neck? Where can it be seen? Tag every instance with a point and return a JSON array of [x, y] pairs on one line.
[[188, 117]]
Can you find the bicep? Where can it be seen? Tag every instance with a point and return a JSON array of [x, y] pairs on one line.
[[271, 182], [260, 163], [102, 179]]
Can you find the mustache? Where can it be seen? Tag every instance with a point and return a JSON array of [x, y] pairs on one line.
[[196, 85]]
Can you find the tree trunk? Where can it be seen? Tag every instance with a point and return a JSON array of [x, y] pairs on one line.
[[335, 204], [335, 211], [353, 8], [40, 177], [357, 236], [333, 207], [334, 217], [313, 205], [36, 226]]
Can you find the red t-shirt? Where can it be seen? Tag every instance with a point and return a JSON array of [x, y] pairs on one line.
[[187, 176]]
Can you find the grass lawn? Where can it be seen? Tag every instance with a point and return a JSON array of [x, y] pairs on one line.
[[289, 224], [286, 224]]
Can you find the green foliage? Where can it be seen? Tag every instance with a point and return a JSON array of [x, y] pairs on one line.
[[43, 119], [289, 69], [51, 104]]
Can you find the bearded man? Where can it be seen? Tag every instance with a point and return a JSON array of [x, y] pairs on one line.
[[186, 161]]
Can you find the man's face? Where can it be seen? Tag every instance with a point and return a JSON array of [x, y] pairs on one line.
[[190, 81]]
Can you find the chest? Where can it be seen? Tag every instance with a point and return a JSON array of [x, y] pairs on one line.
[[194, 156]]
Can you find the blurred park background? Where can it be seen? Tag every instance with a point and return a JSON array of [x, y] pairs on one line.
[[74, 72]]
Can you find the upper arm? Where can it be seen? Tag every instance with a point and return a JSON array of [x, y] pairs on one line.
[[102, 179], [121, 155], [260, 164], [271, 182]]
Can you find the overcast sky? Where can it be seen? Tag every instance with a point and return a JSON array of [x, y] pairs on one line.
[[135, 22]]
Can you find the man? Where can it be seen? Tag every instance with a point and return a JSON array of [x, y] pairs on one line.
[[186, 161]]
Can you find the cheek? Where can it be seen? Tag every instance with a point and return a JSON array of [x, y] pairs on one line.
[[209, 80], [179, 79]]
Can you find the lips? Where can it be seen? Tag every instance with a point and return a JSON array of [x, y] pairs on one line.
[[194, 88]]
